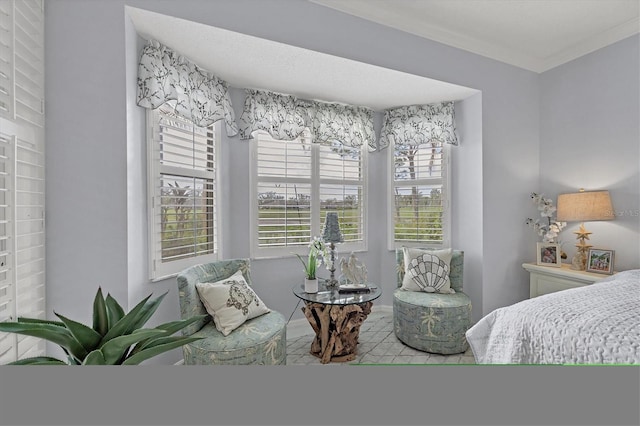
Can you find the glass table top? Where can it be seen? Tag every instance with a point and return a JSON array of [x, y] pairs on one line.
[[331, 295]]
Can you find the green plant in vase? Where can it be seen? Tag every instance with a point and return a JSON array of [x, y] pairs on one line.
[[317, 252], [114, 338], [311, 266]]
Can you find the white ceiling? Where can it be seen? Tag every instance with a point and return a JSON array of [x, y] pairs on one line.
[[533, 34], [250, 62]]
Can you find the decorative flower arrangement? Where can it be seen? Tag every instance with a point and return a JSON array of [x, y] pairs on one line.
[[548, 231], [318, 252]]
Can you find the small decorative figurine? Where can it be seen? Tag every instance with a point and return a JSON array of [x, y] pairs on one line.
[[353, 271]]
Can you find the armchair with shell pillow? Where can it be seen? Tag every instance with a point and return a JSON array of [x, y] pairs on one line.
[[430, 311]]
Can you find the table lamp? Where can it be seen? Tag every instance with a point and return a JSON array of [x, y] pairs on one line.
[[331, 234], [583, 206]]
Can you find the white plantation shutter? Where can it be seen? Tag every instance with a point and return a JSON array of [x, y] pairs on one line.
[[6, 59], [294, 184], [22, 61], [341, 174], [22, 235], [8, 342], [418, 196], [183, 196], [22, 173], [29, 61], [283, 193]]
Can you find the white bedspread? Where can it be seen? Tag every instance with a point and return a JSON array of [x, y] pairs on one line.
[[594, 324]]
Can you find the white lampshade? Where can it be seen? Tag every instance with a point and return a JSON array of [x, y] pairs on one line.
[[584, 206]]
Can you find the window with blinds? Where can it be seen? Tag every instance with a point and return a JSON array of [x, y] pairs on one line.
[[294, 184], [418, 197], [183, 196], [22, 173]]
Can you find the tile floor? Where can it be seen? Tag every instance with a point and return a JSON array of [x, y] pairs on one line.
[[378, 345]]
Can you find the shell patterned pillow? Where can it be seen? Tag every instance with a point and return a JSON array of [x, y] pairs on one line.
[[427, 270]]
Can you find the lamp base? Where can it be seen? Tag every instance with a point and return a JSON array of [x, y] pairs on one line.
[[579, 261], [331, 282]]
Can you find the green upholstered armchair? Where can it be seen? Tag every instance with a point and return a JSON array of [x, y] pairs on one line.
[[261, 340], [433, 322]]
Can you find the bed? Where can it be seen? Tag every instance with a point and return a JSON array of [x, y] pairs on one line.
[[594, 324]]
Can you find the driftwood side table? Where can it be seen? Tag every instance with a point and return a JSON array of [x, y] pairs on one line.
[[336, 319]]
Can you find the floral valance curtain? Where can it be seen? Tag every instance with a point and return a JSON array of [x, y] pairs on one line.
[[273, 113], [347, 124], [419, 124], [200, 96], [285, 117]]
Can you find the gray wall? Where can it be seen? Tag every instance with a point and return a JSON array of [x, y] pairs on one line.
[[95, 181], [86, 163], [466, 188], [590, 138]]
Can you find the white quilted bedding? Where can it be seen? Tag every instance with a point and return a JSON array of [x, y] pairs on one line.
[[594, 324]]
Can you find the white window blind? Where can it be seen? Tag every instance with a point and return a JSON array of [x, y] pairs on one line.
[[6, 59], [183, 195], [8, 342], [341, 176], [22, 60], [294, 184], [22, 173], [418, 197]]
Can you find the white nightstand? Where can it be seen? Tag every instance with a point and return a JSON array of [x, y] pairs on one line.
[[547, 279]]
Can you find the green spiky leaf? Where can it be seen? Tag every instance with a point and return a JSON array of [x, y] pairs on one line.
[[39, 321], [115, 348], [95, 358], [148, 309], [171, 328], [126, 323], [174, 326], [171, 343], [86, 336], [135, 319], [100, 319], [53, 333], [39, 360], [157, 341], [114, 310]]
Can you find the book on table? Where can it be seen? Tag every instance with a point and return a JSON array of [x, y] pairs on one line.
[[353, 288]]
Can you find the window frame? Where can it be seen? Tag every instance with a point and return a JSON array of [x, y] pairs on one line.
[[443, 180], [256, 252], [159, 270]]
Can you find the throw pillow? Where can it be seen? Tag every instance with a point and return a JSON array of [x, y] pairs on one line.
[[230, 302], [427, 270]]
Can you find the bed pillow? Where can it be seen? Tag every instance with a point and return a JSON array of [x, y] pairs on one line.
[[230, 302], [427, 270]]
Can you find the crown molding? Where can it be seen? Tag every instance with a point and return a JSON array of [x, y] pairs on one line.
[[591, 44], [378, 13]]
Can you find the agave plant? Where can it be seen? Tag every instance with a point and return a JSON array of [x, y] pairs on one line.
[[115, 338]]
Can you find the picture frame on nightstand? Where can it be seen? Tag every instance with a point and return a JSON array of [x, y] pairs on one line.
[[548, 254], [600, 261]]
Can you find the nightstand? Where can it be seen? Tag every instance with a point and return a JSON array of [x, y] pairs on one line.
[[548, 279]]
